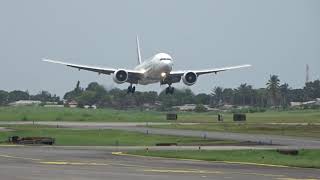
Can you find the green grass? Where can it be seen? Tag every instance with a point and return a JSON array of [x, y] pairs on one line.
[[77, 114], [306, 116], [69, 137], [305, 158], [111, 115], [309, 130]]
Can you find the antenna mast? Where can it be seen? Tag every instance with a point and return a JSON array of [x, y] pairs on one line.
[[307, 73]]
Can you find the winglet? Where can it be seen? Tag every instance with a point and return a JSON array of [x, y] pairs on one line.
[[138, 51]]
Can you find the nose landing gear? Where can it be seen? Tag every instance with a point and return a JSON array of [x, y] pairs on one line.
[[169, 90], [131, 89]]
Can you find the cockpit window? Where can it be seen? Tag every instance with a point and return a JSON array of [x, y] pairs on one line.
[[163, 59]]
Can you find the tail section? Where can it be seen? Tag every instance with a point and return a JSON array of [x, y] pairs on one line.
[[138, 51]]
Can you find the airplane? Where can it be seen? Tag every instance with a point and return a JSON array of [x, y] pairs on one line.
[[156, 69]]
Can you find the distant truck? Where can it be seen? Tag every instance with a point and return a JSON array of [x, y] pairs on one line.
[[31, 140]]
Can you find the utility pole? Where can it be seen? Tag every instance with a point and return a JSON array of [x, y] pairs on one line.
[[307, 73]]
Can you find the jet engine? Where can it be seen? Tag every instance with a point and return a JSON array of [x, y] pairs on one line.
[[120, 76], [189, 78]]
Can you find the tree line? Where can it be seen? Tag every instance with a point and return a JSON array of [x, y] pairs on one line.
[[17, 95], [274, 94]]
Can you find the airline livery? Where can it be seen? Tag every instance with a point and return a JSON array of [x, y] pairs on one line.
[[157, 69]]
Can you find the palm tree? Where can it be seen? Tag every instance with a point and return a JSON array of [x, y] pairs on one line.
[[273, 86], [262, 97], [284, 91], [245, 93], [217, 93]]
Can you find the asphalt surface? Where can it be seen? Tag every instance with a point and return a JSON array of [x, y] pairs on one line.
[[50, 163]]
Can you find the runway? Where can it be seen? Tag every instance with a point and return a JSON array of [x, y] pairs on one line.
[[49, 163]]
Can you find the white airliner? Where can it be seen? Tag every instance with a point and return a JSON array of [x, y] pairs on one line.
[[157, 69]]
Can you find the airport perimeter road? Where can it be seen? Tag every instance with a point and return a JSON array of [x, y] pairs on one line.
[[48, 163]]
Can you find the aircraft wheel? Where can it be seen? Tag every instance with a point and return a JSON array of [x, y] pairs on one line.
[[172, 90], [129, 89]]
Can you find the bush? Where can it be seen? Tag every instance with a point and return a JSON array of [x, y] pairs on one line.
[[200, 108], [24, 118]]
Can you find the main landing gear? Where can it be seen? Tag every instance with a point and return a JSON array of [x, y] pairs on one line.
[[131, 89], [169, 90]]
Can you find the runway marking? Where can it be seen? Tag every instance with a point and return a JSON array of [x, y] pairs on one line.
[[182, 171], [196, 160], [17, 157], [73, 163], [116, 153], [10, 145]]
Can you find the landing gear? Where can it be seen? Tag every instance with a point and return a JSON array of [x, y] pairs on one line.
[[131, 89], [169, 90]]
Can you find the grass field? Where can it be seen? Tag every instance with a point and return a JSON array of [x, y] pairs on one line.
[[305, 158], [102, 137], [309, 130], [111, 115], [296, 116], [77, 114]]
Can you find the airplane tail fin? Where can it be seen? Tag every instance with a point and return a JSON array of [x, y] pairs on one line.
[[138, 51]]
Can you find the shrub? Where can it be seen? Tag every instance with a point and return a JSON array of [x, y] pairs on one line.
[[200, 108]]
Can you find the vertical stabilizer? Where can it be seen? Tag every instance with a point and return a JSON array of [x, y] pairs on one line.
[[138, 51]]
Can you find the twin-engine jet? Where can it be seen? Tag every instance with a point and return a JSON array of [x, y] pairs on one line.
[[156, 69]]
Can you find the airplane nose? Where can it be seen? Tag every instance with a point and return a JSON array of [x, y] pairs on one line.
[[167, 65]]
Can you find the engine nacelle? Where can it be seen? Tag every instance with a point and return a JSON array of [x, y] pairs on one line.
[[120, 76], [189, 78]]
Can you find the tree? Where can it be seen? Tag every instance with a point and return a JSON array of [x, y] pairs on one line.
[[244, 94], [45, 96], [18, 95], [4, 98], [203, 98], [228, 96], [296, 95], [312, 90], [99, 91], [273, 89], [86, 98], [180, 97], [262, 97], [284, 91], [200, 108], [71, 95], [217, 93]]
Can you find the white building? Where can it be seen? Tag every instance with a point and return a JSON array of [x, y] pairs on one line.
[[314, 102], [25, 103]]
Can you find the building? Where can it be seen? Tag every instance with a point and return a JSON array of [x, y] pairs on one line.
[[306, 103], [186, 107], [25, 103], [72, 104]]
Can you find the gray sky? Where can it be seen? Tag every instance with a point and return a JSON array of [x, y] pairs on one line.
[[275, 36]]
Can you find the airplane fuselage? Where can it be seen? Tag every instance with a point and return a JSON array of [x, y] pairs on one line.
[[155, 68]]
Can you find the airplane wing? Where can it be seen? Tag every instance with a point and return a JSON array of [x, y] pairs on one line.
[[132, 73], [208, 71], [176, 75]]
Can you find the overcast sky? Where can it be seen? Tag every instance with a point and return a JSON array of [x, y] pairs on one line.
[[275, 36]]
